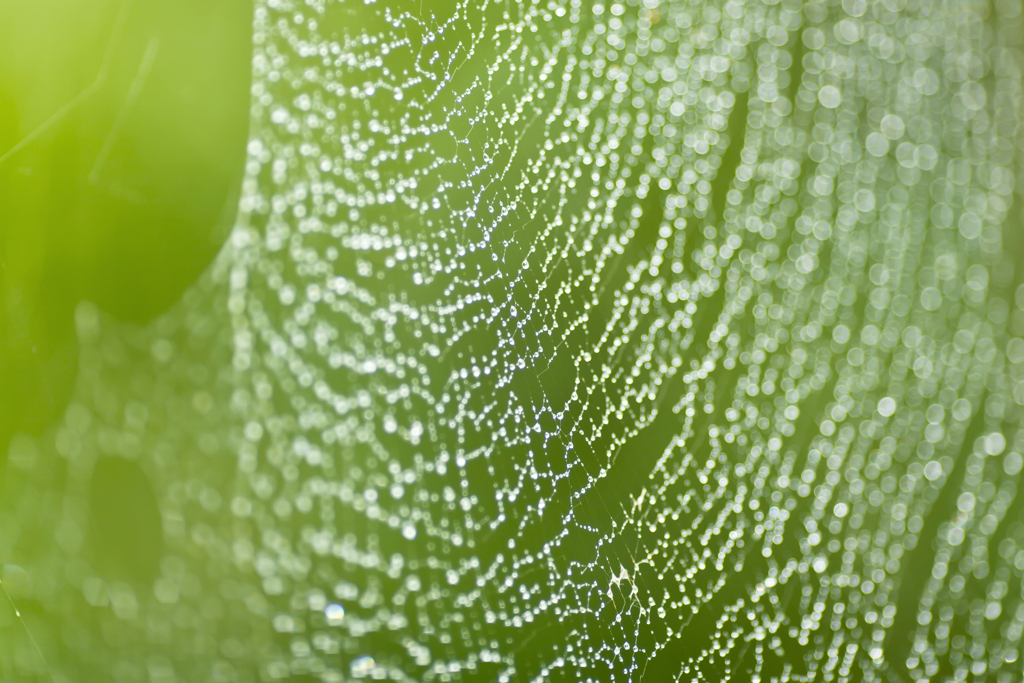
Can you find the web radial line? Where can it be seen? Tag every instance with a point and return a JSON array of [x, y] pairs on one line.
[[28, 632], [133, 93]]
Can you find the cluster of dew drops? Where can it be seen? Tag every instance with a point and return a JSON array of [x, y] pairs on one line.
[[603, 340]]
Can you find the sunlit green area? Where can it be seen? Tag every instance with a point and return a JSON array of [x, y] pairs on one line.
[[122, 134], [122, 131]]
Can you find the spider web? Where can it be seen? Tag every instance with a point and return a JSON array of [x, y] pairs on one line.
[[572, 341]]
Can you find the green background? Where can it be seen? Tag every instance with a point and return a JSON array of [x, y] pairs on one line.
[[123, 124]]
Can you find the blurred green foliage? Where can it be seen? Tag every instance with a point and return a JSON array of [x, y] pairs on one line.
[[122, 135]]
